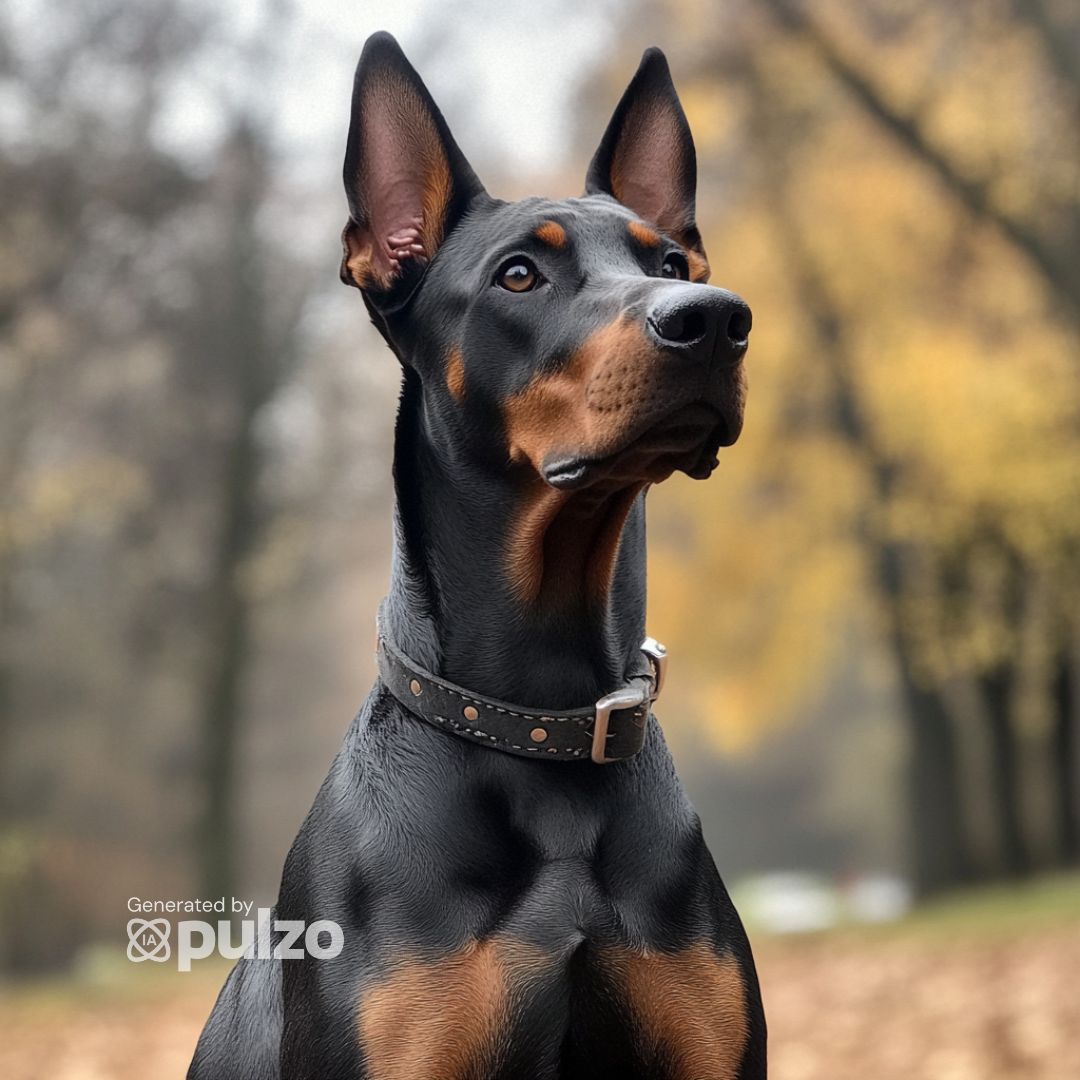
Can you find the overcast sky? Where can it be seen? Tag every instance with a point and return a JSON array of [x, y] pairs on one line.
[[504, 71]]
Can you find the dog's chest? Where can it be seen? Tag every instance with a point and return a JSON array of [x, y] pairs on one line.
[[504, 1008], [567, 966]]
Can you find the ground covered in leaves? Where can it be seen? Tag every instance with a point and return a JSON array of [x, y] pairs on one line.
[[974, 989]]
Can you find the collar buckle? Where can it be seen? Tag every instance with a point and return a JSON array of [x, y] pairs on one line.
[[640, 692], [658, 657], [629, 697]]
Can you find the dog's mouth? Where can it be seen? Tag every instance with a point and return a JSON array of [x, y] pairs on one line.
[[687, 440]]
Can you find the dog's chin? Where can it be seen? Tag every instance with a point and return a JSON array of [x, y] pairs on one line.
[[687, 441]]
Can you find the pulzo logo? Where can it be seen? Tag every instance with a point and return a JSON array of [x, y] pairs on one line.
[[149, 939]]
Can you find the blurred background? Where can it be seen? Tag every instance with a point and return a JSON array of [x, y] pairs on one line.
[[872, 607]]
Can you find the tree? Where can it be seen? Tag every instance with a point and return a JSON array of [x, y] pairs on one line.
[[913, 398], [246, 344]]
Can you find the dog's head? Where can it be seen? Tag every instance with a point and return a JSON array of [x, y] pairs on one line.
[[572, 342]]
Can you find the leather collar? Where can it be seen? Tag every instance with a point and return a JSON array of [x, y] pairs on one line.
[[612, 729]]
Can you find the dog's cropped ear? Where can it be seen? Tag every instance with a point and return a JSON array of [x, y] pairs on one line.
[[405, 178], [646, 159]]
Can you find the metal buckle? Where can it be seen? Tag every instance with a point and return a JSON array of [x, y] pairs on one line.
[[627, 698], [658, 656]]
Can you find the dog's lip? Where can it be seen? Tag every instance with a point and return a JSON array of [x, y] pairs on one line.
[[568, 474], [698, 460], [707, 461]]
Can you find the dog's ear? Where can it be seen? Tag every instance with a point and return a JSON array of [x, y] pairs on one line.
[[646, 159], [405, 178]]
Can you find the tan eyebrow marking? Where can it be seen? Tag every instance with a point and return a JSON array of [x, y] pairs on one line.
[[699, 266], [551, 233], [643, 234]]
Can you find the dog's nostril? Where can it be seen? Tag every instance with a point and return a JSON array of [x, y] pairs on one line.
[[738, 325], [680, 326], [693, 326]]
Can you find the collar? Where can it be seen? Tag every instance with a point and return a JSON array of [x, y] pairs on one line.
[[612, 729]]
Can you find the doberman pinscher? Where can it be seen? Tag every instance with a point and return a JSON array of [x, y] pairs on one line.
[[521, 881]]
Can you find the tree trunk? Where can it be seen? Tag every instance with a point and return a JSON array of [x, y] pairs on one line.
[[228, 642], [244, 364], [1064, 767], [940, 856], [939, 842], [940, 852], [996, 687]]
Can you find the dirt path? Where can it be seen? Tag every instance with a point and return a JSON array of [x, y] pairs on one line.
[[924, 1007]]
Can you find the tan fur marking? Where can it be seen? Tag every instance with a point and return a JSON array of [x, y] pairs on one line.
[[643, 234], [445, 1019], [690, 1007], [552, 234], [605, 550], [561, 543], [553, 411], [358, 261], [584, 408], [455, 375], [525, 548], [699, 266]]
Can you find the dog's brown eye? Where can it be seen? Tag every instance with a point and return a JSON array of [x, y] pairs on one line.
[[676, 266], [518, 275]]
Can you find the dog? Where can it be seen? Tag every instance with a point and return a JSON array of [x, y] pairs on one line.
[[521, 882]]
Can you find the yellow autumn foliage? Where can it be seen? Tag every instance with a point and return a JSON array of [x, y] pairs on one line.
[[966, 373]]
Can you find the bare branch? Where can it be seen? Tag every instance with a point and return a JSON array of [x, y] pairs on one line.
[[1060, 50], [1053, 264]]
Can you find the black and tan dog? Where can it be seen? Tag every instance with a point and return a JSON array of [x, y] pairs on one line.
[[521, 881]]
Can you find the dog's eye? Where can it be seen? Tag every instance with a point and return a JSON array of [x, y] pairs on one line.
[[676, 266], [517, 275]]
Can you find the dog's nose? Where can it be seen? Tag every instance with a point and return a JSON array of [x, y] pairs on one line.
[[701, 322]]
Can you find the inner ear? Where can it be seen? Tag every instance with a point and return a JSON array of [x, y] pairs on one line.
[[405, 178], [646, 159]]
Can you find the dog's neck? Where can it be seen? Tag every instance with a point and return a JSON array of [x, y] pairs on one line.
[[508, 588]]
